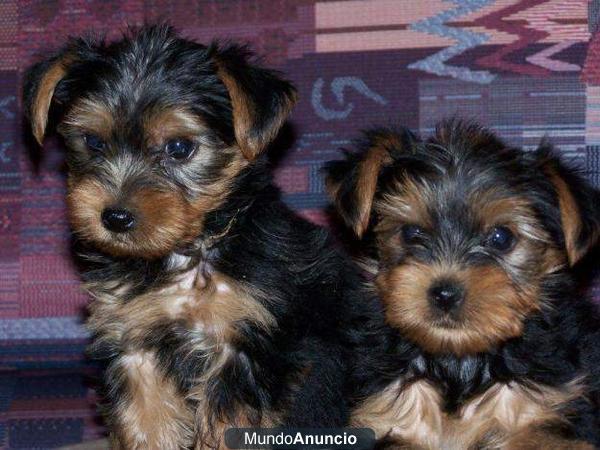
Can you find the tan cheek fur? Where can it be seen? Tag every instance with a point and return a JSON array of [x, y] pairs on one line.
[[413, 416], [166, 220], [493, 311], [86, 200]]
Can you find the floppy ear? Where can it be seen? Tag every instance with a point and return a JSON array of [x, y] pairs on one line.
[[579, 205], [352, 183], [261, 100], [38, 90]]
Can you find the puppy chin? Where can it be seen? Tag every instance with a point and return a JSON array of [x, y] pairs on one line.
[[129, 245], [446, 323], [126, 248]]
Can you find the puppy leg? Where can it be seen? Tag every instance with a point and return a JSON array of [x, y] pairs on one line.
[[150, 414], [311, 404], [213, 438], [218, 409], [538, 437], [212, 430]]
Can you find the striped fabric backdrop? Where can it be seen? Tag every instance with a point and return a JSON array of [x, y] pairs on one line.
[[526, 68]]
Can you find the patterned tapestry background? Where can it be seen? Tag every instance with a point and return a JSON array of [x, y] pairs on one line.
[[527, 68]]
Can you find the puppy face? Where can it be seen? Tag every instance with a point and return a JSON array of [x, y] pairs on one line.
[[142, 186], [466, 231], [157, 129]]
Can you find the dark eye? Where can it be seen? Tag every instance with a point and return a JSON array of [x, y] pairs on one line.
[[500, 238], [93, 142], [179, 148], [412, 234]]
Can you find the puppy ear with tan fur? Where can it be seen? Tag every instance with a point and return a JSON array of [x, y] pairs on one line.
[[261, 100], [579, 205], [39, 86], [352, 182]]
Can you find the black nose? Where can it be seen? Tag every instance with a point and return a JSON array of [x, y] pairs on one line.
[[117, 220], [446, 295]]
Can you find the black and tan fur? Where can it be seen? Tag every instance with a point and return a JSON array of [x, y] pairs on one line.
[[214, 305], [471, 245]]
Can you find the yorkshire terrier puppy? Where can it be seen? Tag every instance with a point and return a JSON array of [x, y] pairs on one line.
[[472, 242], [214, 305]]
